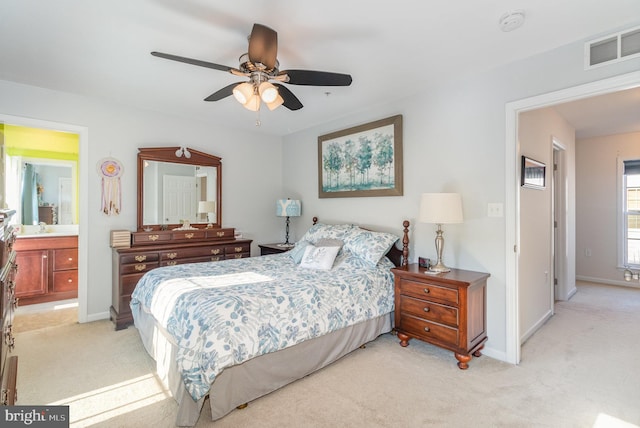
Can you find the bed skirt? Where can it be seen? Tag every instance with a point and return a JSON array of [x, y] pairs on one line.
[[256, 377]]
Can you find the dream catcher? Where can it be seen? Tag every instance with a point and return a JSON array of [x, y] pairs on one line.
[[111, 170]]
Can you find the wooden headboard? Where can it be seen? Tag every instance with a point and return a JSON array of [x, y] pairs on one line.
[[398, 256]]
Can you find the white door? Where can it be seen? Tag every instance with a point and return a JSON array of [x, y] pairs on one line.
[[65, 201], [179, 197]]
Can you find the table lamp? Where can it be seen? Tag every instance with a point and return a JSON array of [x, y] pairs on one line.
[[440, 208], [288, 208]]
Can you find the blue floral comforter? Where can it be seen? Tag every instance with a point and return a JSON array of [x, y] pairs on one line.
[[224, 313]]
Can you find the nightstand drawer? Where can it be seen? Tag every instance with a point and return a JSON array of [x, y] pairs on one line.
[[429, 331], [426, 290], [429, 310]]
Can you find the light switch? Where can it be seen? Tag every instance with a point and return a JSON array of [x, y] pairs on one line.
[[495, 209]]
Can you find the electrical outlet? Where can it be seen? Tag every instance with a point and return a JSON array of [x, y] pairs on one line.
[[495, 209], [587, 252]]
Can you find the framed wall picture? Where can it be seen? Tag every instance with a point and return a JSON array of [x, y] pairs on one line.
[[532, 173], [365, 160]]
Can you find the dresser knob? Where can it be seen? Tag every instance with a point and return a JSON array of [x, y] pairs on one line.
[[426, 291], [427, 309], [427, 329]]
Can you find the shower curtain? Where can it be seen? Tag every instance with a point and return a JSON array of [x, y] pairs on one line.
[[29, 195]]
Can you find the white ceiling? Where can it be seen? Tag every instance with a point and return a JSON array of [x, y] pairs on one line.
[[101, 49]]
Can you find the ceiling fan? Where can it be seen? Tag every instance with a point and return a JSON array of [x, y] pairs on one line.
[[260, 65]]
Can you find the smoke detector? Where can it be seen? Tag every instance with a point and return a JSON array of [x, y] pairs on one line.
[[512, 20]]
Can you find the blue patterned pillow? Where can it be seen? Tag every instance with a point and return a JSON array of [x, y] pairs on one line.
[[330, 231], [297, 252], [369, 246]]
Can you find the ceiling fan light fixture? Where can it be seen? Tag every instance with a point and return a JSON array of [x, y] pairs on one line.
[[243, 92], [268, 92], [253, 103], [275, 103]]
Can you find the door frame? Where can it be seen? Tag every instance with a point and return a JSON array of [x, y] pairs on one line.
[[83, 197], [512, 199]]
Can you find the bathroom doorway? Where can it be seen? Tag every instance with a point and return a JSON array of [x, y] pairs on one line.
[[61, 151]]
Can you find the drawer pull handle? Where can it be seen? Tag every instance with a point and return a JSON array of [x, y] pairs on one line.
[[70, 280], [188, 235], [172, 255], [153, 237], [238, 256], [427, 309], [140, 267], [215, 259], [141, 258], [238, 249], [426, 291], [70, 259], [215, 251], [427, 329], [172, 263], [220, 234]]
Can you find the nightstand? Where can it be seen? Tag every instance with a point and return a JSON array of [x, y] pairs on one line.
[[445, 309], [273, 249]]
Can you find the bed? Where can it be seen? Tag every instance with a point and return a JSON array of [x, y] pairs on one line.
[[239, 329]]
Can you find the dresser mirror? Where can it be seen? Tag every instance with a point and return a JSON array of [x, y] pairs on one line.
[[178, 187]]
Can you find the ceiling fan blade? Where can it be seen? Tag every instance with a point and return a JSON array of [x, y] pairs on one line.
[[316, 78], [263, 46], [222, 93], [290, 101], [193, 61]]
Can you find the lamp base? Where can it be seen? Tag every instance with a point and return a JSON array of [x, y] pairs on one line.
[[439, 268], [286, 245]]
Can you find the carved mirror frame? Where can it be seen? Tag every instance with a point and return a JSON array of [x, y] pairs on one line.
[[168, 154]]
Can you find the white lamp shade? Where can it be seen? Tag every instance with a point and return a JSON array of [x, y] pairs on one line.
[[440, 208], [275, 103], [288, 208], [243, 92], [253, 103], [206, 207], [268, 92]]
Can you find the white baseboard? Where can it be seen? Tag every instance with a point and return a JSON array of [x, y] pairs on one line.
[[632, 284], [97, 317], [495, 354], [535, 327]]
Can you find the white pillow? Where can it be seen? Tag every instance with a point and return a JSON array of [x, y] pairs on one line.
[[319, 257]]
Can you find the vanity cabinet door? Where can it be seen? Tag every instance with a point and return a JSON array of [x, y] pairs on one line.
[[33, 272]]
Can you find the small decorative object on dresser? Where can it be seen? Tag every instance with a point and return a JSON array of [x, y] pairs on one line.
[[8, 304], [272, 249], [444, 309]]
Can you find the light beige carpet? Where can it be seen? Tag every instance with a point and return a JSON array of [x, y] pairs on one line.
[[580, 370]]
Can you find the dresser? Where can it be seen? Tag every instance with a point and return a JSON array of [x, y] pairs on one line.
[[8, 304], [445, 309], [150, 250]]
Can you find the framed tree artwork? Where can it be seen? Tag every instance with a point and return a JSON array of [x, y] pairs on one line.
[[364, 160]]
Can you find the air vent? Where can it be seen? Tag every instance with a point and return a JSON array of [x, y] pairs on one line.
[[612, 48]]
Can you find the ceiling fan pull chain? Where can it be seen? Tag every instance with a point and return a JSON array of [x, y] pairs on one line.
[[258, 123]]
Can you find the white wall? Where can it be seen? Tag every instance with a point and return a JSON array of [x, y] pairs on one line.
[[537, 130], [251, 169], [597, 196], [454, 140]]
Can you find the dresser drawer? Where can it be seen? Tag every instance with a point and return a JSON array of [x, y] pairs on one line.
[[65, 259], [138, 267], [139, 258], [184, 253], [428, 330], [429, 291], [66, 280], [187, 235], [429, 310], [236, 249], [129, 283], [150, 238], [226, 233]]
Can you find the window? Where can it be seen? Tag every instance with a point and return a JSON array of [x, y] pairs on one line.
[[631, 212]]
